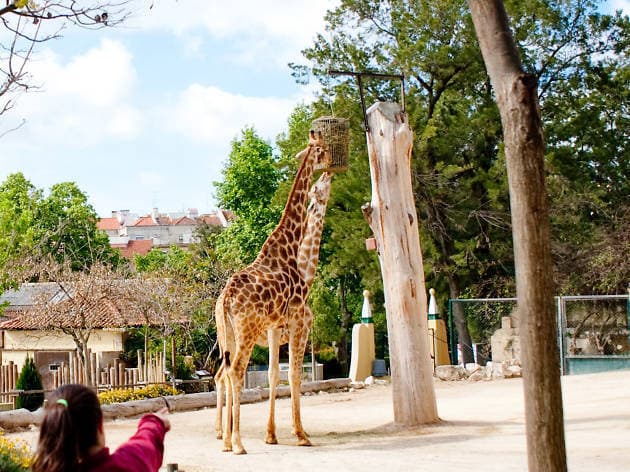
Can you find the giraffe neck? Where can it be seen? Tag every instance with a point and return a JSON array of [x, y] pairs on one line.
[[308, 253], [282, 244]]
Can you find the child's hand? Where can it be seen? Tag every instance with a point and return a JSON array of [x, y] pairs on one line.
[[163, 415]]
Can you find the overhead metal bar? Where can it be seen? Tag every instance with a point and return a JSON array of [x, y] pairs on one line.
[[371, 75]]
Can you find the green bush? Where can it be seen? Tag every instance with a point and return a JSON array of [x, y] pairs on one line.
[[29, 379]]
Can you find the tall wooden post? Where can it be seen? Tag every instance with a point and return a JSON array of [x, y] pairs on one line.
[[393, 219], [517, 99]]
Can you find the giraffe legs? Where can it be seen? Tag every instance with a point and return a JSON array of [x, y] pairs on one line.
[[227, 429], [236, 374], [297, 345], [219, 380], [273, 338]]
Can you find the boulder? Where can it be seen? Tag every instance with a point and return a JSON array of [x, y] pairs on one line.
[[472, 367], [476, 376], [450, 372]]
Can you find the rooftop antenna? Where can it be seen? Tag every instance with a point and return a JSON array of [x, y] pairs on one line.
[[371, 75]]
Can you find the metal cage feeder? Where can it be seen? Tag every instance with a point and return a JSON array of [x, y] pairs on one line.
[[336, 133]]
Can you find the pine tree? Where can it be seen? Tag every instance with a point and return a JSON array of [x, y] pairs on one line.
[[30, 379]]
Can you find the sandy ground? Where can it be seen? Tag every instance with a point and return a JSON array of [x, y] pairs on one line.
[[482, 430]]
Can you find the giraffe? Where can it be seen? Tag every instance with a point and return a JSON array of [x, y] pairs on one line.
[[308, 256], [268, 295]]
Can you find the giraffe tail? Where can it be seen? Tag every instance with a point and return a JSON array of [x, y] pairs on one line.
[[223, 325]]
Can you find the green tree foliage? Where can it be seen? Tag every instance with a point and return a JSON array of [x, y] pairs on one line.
[[66, 226], [18, 209], [29, 379], [250, 180], [178, 288], [61, 224], [580, 59]]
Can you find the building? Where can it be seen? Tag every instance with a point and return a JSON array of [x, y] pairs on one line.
[[133, 235], [25, 330]]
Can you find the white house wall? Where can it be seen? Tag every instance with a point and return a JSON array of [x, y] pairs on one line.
[[19, 344], [162, 235]]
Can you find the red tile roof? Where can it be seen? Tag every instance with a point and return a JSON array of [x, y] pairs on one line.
[[133, 247], [146, 220], [184, 220], [210, 220], [104, 315], [64, 313], [105, 224]]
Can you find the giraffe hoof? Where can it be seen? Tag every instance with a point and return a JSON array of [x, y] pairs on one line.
[[271, 439], [219, 435], [226, 449], [240, 451], [304, 442]]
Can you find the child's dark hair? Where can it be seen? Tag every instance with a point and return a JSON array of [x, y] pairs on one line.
[[69, 429]]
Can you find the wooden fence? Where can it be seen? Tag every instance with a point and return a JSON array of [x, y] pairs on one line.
[[113, 375], [150, 370], [8, 380]]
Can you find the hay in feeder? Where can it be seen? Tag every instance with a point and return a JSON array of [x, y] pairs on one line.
[[336, 132]]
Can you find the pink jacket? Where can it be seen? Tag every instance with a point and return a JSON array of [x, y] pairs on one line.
[[143, 452]]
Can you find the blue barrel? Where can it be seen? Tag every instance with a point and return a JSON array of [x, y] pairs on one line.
[[379, 369]]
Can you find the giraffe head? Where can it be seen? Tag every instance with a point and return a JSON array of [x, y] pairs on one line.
[[323, 157], [320, 192]]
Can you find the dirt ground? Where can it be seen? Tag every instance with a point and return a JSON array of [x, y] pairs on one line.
[[482, 429]]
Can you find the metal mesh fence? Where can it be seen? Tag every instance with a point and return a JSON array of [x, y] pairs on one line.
[[592, 329], [483, 318]]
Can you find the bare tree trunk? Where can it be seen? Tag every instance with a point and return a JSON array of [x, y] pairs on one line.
[[516, 95], [461, 323], [346, 319], [173, 358], [81, 342], [393, 219]]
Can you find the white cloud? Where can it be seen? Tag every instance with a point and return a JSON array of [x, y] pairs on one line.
[[214, 116], [84, 100], [265, 31]]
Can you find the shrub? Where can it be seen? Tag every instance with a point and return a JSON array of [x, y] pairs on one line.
[[15, 455], [129, 394], [29, 379]]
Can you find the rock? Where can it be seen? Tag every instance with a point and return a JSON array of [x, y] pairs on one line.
[[472, 367], [515, 370], [497, 370], [450, 372], [476, 376], [381, 382], [487, 372], [21, 418], [369, 381]]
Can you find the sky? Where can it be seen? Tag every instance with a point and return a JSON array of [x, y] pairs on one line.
[[142, 116]]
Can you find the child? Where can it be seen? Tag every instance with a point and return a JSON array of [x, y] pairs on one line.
[[71, 437]]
